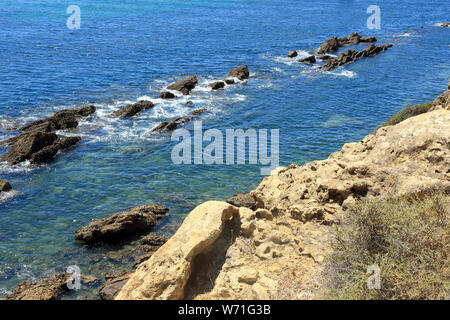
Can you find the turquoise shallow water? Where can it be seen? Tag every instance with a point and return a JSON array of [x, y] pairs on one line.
[[130, 50]]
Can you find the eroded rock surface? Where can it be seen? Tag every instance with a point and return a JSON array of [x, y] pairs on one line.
[[132, 109], [276, 251], [123, 224], [241, 72], [184, 85]]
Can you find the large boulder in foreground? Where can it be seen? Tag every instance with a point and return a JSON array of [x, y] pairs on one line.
[[239, 72], [132, 109], [5, 186], [47, 289], [184, 85], [123, 224], [166, 274]]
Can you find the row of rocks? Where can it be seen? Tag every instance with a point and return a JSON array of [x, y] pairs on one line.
[[38, 142], [351, 56]]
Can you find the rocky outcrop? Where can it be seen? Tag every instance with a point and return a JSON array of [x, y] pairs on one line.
[[351, 56], [47, 289], [242, 200], [276, 250], [443, 101], [184, 85], [166, 95], [335, 43], [310, 59], [241, 72], [217, 85], [132, 109], [175, 123], [5, 186], [122, 225], [292, 54]]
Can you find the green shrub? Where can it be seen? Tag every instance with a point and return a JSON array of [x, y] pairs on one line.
[[407, 112], [407, 238]]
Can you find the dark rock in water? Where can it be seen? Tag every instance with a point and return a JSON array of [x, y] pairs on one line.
[[123, 224], [27, 145], [114, 282], [189, 102], [292, 54], [64, 119], [334, 43], [229, 81], [445, 24], [184, 85], [175, 123], [47, 289], [147, 246], [242, 200], [167, 95], [352, 55], [47, 154], [4, 186], [323, 57], [217, 85], [310, 59], [132, 109], [239, 72]]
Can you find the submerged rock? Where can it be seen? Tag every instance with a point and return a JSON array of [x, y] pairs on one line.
[[5, 186], [334, 43], [123, 224], [47, 289], [292, 54], [114, 282], [350, 56], [48, 153], [310, 59], [132, 109], [175, 123], [239, 72], [242, 200], [217, 85], [184, 85], [167, 95], [146, 247]]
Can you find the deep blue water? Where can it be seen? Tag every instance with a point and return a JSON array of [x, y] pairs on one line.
[[129, 50]]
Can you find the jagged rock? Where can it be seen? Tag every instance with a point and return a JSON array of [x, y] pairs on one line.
[[114, 282], [217, 85], [166, 275], [310, 59], [242, 200], [5, 186], [47, 289], [184, 85], [229, 81], [292, 54], [48, 153], [189, 102], [334, 43], [277, 251], [175, 123], [132, 109], [323, 57], [123, 224], [167, 95], [63, 119], [351, 56], [239, 72]]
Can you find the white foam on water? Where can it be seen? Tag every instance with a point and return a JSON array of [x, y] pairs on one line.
[[342, 73], [22, 167], [5, 196], [290, 61]]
